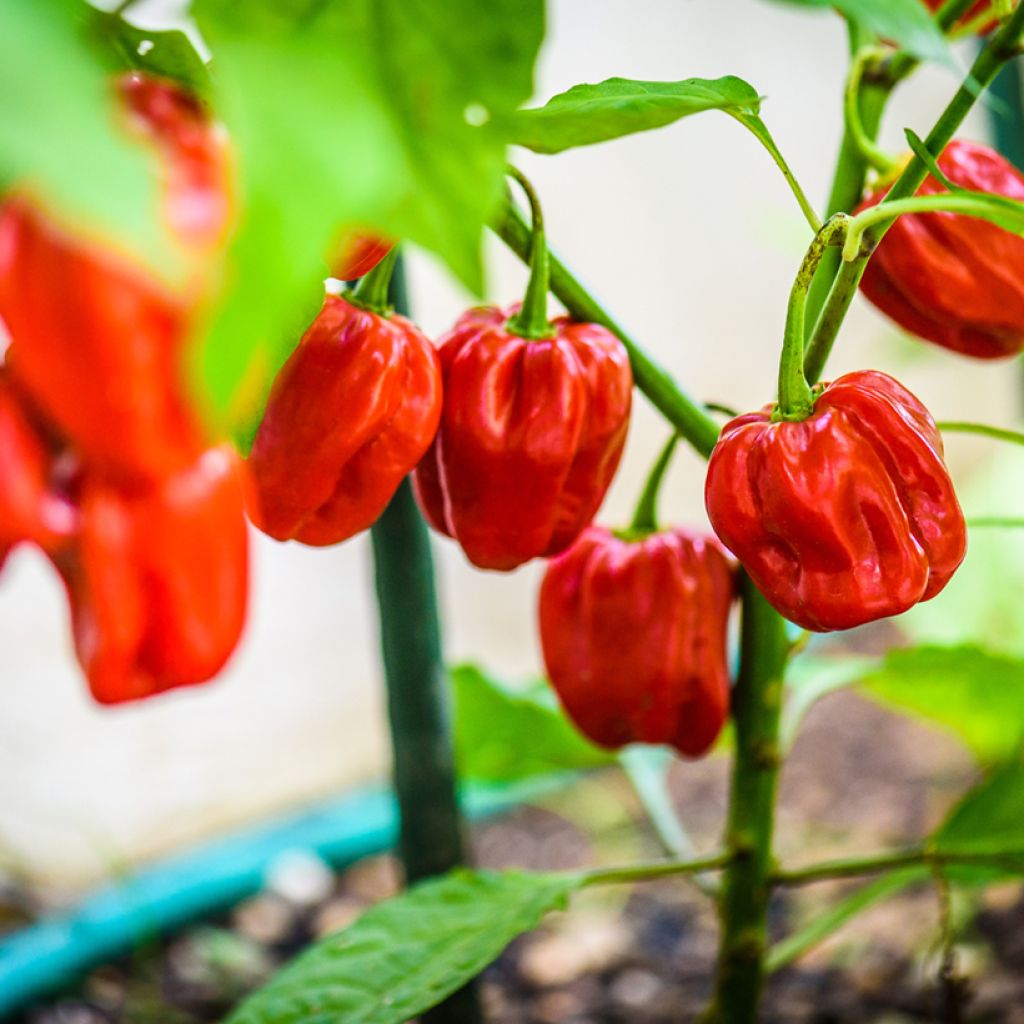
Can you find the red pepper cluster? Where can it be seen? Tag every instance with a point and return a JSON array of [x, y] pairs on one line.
[[104, 463]]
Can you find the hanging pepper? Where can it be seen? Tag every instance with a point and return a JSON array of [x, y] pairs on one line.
[[952, 279], [351, 412], [101, 340], [534, 420], [846, 516], [633, 628], [359, 255], [157, 578]]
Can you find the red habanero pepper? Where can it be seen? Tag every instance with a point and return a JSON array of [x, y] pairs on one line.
[[634, 637], [100, 339], [359, 255], [157, 580], [351, 412], [844, 517], [952, 279]]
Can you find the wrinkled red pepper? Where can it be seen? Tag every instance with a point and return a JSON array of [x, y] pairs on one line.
[[351, 412], [634, 637], [157, 579], [359, 255], [952, 279], [102, 341], [531, 434], [842, 518]]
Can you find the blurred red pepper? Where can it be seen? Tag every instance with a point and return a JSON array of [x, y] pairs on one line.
[[634, 637], [101, 340], [952, 279], [531, 434], [157, 580], [351, 412], [844, 517], [359, 255]]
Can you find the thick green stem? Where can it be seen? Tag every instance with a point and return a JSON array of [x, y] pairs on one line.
[[645, 519], [757, 703], [373, 290], [1003, 46], [686, 415], [532, 319], [431, 827], [864, 140]]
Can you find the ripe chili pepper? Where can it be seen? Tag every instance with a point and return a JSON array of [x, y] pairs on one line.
[[157, 580], [534, 420], [634, 637], [359, 255], [952, 279], [844, 517], [351, 412], [101, 340]]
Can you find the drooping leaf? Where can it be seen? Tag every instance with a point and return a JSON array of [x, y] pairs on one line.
[[386, 114], [989, 819], [59, 136], [503, 735], [406, 955], [647, 768], [587, 114], [976, 695], [907, 23]]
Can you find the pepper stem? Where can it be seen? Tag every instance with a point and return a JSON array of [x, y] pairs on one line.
[[796, 399], [869, 150], [371, 293], [645, 519], [532, 319]]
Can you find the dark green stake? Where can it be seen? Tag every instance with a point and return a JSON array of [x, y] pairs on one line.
[[431, 827]]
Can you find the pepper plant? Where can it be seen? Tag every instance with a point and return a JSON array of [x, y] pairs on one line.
[[140, 343]]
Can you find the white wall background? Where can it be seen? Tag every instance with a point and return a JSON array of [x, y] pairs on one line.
[[692, 239]]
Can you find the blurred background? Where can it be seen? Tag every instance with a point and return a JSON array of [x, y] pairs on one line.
[[690, 237]]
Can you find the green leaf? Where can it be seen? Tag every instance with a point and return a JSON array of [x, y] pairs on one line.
[[810, 678], [58, 133], [826, 923], [504, 735], [904, 22], [391, 115], [989, 819], [972, 693], [406, 955], [588, 114]]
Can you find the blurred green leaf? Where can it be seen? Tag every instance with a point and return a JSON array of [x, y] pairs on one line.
[[58, 133], [989, 819], [808, 679], [504, 735], [907, 23], [648, 768], [972, 693], [407, 954], [587, 114], [386, 114]]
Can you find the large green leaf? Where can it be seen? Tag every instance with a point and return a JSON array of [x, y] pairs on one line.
[[406, 955], [391, 114], [58, 134], [905, 22], [989, 819], [976, 695], [587, 114], [503, 735]]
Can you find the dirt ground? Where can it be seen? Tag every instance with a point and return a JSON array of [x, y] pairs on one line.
[[858, 779]]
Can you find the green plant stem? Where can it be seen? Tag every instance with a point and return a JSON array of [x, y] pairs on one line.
[[659, 869], [373, 290], [997, 433], [645, 519], [532, 319], [795, 398], [757, 705], [686, 415], [1003, 46], [871, 154], [995, 522], [430, 822]]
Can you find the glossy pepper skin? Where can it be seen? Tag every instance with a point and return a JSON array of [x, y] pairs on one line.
[[634, 637], [351, 412], [951, 279], [842, 518], [359, 255], [531, 434], [157, 579], [101, 341]]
